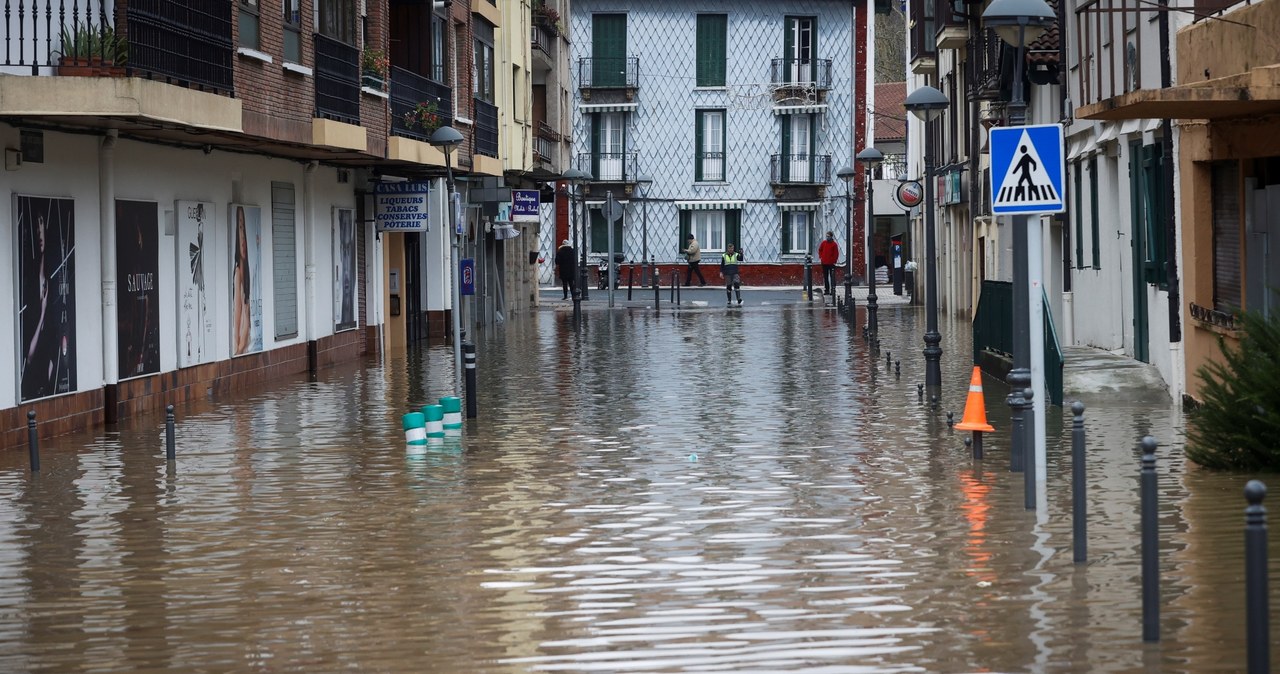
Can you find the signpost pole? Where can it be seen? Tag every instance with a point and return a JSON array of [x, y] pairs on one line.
[[610, 215]]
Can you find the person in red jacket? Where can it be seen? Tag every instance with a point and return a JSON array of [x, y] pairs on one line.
[[828, 255]]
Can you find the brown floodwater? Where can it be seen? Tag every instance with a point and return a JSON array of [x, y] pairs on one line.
[[744, 491]]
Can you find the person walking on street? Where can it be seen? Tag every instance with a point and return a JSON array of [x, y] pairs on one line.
[[567, 268], [828, 255], [729, 270], [693, 255]]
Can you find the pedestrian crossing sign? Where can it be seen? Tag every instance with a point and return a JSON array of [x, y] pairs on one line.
[[1027, 168]]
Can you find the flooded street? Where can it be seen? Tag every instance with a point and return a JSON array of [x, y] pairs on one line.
[[706, 490]]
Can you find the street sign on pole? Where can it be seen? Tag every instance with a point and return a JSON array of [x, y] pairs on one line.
[[1027, 168], [612, 209]]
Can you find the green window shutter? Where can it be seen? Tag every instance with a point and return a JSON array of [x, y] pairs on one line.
[[785, 246], [599, 235], [609, 50], [1153, 193], [697, 145], [788, 44], [595, 145], [786, 148], [1079, 185], [685, 228], [733, 227], [712, 29], [1096, 227]]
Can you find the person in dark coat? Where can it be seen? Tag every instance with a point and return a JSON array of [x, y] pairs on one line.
[[567, 268]]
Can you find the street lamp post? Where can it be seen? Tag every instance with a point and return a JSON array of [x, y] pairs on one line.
[[1018, 22], [447, 138], [643, 182], [871, 158], [576, 177], [926, 103], [846, 174]]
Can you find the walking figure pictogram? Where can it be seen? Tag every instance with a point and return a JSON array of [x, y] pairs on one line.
[[1024, 168], [1028, 163]]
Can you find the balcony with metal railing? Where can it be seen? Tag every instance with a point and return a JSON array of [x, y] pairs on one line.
[[542, 39], [609, 167], [183, 43], [893, 167], [337, 75], [800, 169], [486, 128], [710, 167], [788, 73], [622, 73], [419, 105]]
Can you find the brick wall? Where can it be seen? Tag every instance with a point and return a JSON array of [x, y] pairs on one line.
[[463, 62]]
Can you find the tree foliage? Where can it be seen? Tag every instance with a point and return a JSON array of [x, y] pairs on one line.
[[891, 45], [1238, 425]]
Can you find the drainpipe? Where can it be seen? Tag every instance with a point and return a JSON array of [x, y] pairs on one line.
[[309, 265], [1178, 365], [107, 252]]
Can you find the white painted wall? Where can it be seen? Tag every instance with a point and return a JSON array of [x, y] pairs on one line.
[[148, 172]]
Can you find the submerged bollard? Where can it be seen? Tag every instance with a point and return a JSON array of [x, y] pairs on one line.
[[656, 288], [897, 368], [1017, 430], [1150, 542], [888, 360], [968, 443], [674, 276], [435, 420], [933, 401], [1079, 542], [577, 308], [33, 441], [676, 282], [452, 412], [1255, 579], [170, 449], [415, 432], [920, 392], [631, 279], [469, 360], [977, 444], [951, 419]]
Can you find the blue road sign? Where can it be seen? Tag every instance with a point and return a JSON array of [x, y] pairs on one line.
[[1027, 168]]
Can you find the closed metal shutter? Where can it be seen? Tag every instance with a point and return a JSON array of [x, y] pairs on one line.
[[284, 260], [1226, 235]]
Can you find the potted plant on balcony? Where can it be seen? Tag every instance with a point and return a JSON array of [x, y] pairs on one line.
[[547, 17], [424, 116], [374, 65], [92, 51]]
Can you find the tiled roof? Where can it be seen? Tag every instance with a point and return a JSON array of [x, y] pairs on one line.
[[1045, 48], [890, 117]]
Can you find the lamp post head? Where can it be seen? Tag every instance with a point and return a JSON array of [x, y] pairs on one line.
[[1008, 18], [870, 156], [576, 176], [643, 181], [846, 173], [446, 138], [926, 103]]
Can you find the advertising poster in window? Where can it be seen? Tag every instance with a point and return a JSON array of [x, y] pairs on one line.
[[344, 268], [137, 299], [47, 296], [246, 279], [195, 225]]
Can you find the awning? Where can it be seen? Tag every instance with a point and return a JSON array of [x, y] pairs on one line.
[[711, 205], [799, 205], [1110, 131], [600, 203], [607, 107], [798, 109]]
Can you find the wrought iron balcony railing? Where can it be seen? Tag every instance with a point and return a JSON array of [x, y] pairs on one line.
[[710, 166], [545, 131], [337, 80], [411, 95], [791, 72], [893, 167], [187, 43], [543, 149], [800, 169], [542, 39], [609, 73], [609, 167], [486, 128]]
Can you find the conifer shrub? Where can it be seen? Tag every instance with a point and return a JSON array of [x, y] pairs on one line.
[[1237, 426]]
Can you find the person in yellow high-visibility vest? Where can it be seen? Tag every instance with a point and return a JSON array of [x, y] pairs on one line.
[[729, 270]]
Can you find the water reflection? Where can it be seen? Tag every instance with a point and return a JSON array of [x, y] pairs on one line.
[[705, 490]]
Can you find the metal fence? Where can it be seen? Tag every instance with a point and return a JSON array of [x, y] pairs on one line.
[[812, 72], [993, 332], [803, 169], [337, 75], [410, 90], [621, 72]]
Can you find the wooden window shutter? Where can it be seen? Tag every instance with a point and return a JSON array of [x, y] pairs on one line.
[[697, 145], [685, 228], [733, 228]]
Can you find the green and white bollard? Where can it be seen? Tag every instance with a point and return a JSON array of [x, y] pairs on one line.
[[452, 412], [415, 431], [435, 420]]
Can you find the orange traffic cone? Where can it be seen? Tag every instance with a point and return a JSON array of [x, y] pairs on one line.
[[975, 409]]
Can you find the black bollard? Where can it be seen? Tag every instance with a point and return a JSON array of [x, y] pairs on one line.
[[808, 277], [674, 276], [1150, 542], [897, 368], [170, 447], [33, 441], [1018, 431], [631, 279], [888, 359], [968, 443], [1255, 579], [656, 286], [951, 419], [920, 392], [676, 282], [1029, 448], [933, 400], [469, 358], [1080, 544], [577, 309], [977, 444]]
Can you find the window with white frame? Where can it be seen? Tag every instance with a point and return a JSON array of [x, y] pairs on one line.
[[708, 229], [795, 229], [710, 139]]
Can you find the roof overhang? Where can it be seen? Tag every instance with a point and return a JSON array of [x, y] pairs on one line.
[[1246, 95]]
